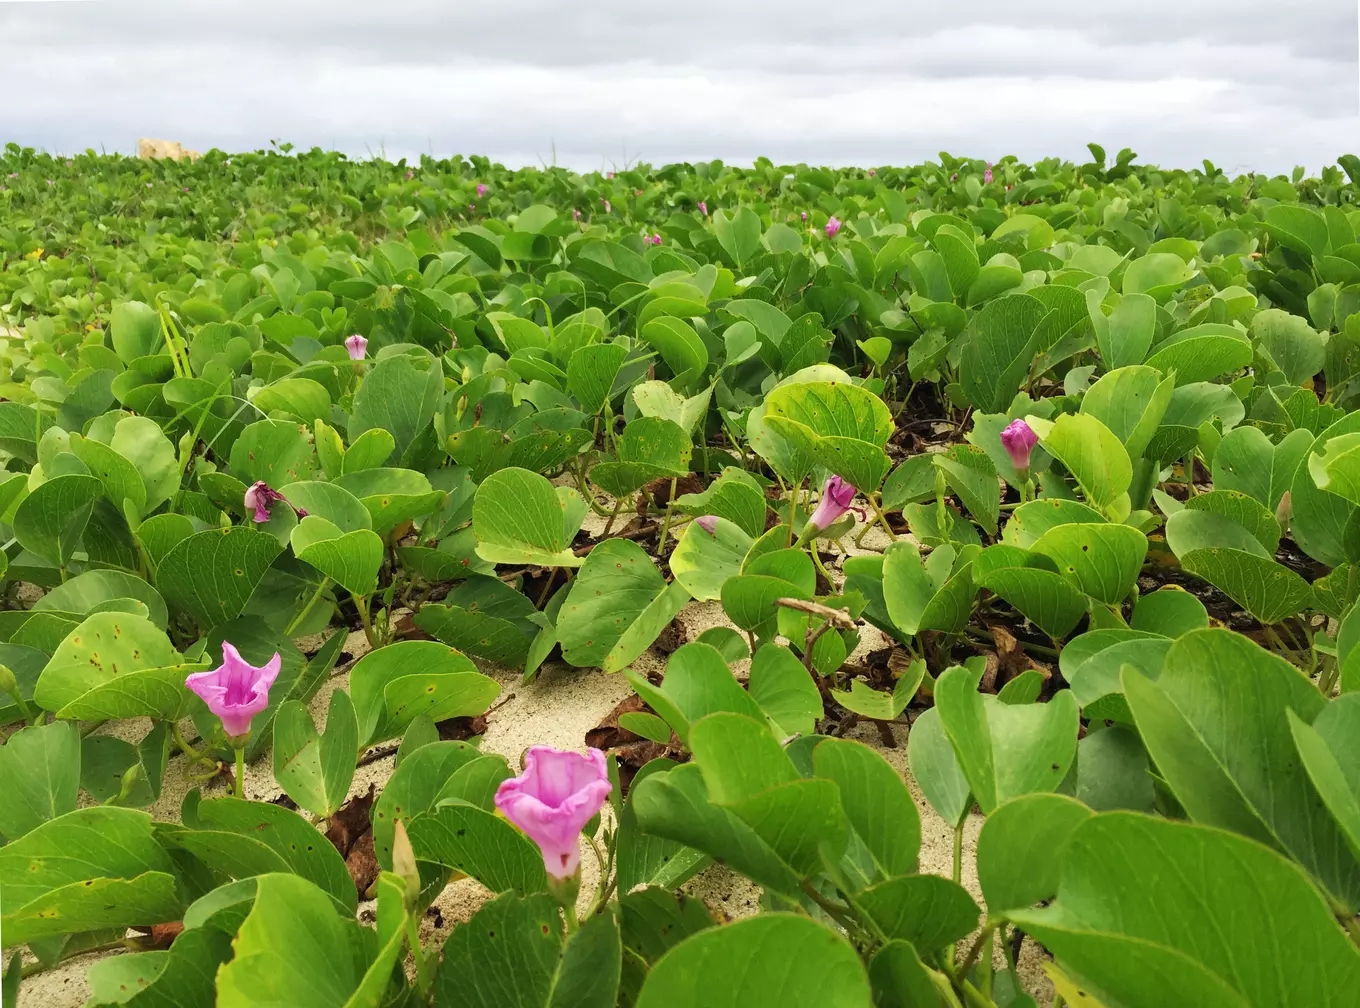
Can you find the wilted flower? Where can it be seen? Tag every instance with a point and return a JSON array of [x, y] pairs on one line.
[[553, 799], [481, 189], [703, 208], [236, 690], [259, 498], [1019, 440], [836, 497], [709, 523], [357, 347], [804, 215], [832, 226]]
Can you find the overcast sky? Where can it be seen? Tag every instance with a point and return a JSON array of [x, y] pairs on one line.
[[1250, 84]]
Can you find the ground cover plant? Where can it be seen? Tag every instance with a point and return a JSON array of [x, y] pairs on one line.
[[1077, 445]]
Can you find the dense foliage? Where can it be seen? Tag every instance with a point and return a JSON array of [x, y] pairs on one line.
[[1104, 423]]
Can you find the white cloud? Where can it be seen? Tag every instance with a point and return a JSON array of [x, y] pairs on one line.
[[1249, 85]]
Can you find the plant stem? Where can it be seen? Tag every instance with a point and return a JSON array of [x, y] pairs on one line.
[[297, 620], [361, 603], [958, 852], [240, 771], [547, 586], [666, 525], [618, 506], [793, 510], [881, 517]]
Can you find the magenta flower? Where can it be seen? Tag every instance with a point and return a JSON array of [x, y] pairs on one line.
[[236, 690], [1019, 440], [987, 175], [654, 239], [260, 497], [481, 189], [553, 799], [836, 497], [832, 226], [709, 523], [357, 347], [703, 208]]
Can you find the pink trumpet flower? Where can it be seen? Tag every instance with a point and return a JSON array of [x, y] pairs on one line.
[[260, 498], [553, 799], [836, 497], [357, 346], [236, 690], [481, 189], [832, 226], [1019, 440], [703, 208]]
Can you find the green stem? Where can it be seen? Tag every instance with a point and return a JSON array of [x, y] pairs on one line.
[[297, 620], [547, 586], [793, 510], [817, 560], [618, 506], [882, 519], [361, 603], [666, 525], [958, 852], [240, 771]]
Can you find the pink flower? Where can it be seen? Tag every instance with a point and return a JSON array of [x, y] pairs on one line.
[[553, 799], [357, 347], [410, 175], [703, 208], [1019, 440], [709, 523], [575, 214], [654, 239], [872, 173], [260, 497], [804, 215], [481, 189], [608, 174], [832, 226], [236, 690], [836, 497]]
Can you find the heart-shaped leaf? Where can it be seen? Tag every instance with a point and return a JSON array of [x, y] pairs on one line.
[[520, 518]]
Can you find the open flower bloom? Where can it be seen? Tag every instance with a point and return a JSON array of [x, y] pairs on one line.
[[709, 523], [357, 347], [552, 800], [260, 497], [236, 690], [836, 497], [1019, 440], [832, 226]]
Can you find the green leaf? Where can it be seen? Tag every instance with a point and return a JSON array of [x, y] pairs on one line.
[[520, 518], [618, 605], [589, 972], [1266, 589], [591, 372], [651, 448], [702, 561], [1019, 852], [875, 800], [655, 921], [680, 347], [51, 520], [1032, 519], [398, 396], [135, 330], [1094, 455], [843, 426], [1169, 611], [90, 868], [784, 689], [293, 949], [478, 843], [443, 680], [414, 788], [1290, 344], [39, 776], [972, 477], [1224, 933], [675, 805], [504, 957], [872, 703], [1246, 511], [738, 233], [1158, 273], [1324, 746], [647, 859], [1131, 402], [1101, 560], [1246, 461], [1201, 353], [1004, 341], [1125, 336], [211, 575], [331, 502], [1049, 600], [1006, 750], [936, 768], [350, 559], [84, 593], [478, 633], [774, 959], [127, 654], [901, 980], [182, 976], [926, 910], [305, 851], [391, 496], [1214, 723], [276, 451], [316, 770]]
